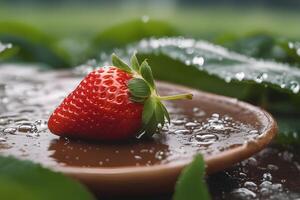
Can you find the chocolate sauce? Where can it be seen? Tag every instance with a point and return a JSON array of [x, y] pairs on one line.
[[205, 125]]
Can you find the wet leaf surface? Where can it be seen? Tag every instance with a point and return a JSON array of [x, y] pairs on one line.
[[199, 64]]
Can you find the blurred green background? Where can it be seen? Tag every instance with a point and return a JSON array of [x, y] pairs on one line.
[[65, 33], [195, 18]]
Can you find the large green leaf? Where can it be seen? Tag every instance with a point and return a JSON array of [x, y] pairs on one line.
[[209, 67], [263, 45], [24, 180], [222, 63], [191, 184]]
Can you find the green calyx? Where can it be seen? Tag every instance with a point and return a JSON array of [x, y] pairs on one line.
[[143, 90]]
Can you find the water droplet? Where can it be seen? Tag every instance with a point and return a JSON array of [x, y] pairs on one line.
[[2, 140], [261, 77], [267, 188], [198, 61], [187, 62], [265, 184], [10, 130], [298, 51], [27, 128], [183, 131], [145, 18], [206, 139], [291, 45], [35, 135], [240, 76], [4, 122], [267, 177], [295, 87], [195, 109], [215, 115], [160, 155], [250, 185], [253, 132], [178, 122], [252, 161], [198, 112], [227, 79], [243, 193], [243, 175], [191, 125], [272, 167], [137, 157]]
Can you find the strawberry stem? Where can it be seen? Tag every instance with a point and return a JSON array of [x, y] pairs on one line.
[[176, 97]]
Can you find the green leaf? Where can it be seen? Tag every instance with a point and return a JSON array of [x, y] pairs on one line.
[[159, 114], [138, 88], [212, 68], [33, 45], [148, 111], [154, 113], [191, 184], [135, 63], [151, 127], [147, 73], [166, 113], [117, 62], [222, 63], [137, 99], [24, 180], [263, 45]]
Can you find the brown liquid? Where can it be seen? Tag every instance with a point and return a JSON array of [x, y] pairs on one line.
[[199, 125], [27, 97]]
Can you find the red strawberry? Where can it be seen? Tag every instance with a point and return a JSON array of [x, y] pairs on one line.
[[112, 103]]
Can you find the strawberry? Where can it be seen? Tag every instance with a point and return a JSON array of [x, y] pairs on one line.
[[113, 103]]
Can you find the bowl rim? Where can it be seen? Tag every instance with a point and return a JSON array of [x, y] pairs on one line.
[[214, 163]]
